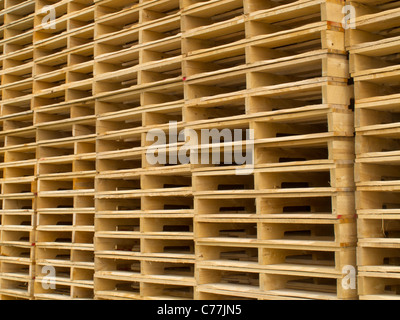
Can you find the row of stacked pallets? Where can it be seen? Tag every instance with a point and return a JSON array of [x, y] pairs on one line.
[[266, 212], [49, 160], [144, 240], [374, 63]]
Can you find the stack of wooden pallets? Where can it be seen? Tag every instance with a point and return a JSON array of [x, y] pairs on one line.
[[280, 69], [18, 151], [65, 135], [374, 60], [144, 209]]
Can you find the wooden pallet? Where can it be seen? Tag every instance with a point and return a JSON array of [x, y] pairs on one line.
[[278, 233], [158, 274], [270, 75], [373, 19], [274, 286], [378, 286]]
